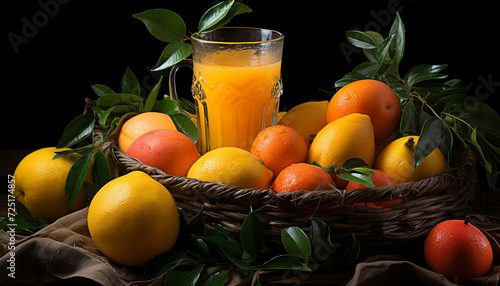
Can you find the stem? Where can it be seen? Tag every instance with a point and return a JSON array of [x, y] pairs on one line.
[[466, 221], [410, 144], [458, 118]]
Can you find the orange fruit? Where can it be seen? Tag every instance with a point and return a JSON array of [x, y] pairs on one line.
[[168, 150], [133, 218], [458, 250], [140, 124], [302, 177], [278, 147], [40, 183], [371, 97], [396, 160], [380, 179]]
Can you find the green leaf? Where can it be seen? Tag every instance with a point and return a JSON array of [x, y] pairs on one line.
[[184, 125], [432, 136], [213, 15], [373, 54], [111, 113], [197, 224], [332, 169], [202, 251], [77, 130], [217, 279], [409, 120], [363, 170], [489, 154], [110, 100], [76, 176], [130, 84], [283, 262], [25, 223], [73, 150], [25, 213], [91, 189], [117, 124], [353, 163], [360, 72], [252, 234], [481, 115], [383, 49], [355, 250], [173, 54], [186, 106], [164, 262], [296, 242], [475, 141], [183, 278], [424, 72], [321, 240], [397, 47], [422, 118], [241, 264], [100, 170], [359, 178], [361, 39], [101, 89], [236, 9], [221, 229], [163, 24], [168, 106], [230, 246], [153, 94], [397, 85]]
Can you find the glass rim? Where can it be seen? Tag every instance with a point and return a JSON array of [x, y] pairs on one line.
[[196, 36]]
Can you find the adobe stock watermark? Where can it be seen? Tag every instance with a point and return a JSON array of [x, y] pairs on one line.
[[381, 19], [32, 25], [486, 87]]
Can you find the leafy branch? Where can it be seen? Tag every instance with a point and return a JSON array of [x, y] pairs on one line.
[[439, 112], [168, 26], [199, 247]]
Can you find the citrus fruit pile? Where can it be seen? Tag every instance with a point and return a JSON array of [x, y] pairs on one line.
[[358, 122]]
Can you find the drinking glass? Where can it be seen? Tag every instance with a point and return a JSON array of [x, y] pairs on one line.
[[236, 84]]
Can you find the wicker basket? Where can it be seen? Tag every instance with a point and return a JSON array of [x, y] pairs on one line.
[[425, 203]]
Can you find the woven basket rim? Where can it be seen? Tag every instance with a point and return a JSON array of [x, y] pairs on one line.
[[324, 194]]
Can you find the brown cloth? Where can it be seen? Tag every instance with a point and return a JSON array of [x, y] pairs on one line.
[[64, 251]]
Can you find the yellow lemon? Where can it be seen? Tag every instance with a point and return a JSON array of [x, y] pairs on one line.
[[133, 218], [396, 160], [40, 183], [232, 166], [307, 118], [348, 137]]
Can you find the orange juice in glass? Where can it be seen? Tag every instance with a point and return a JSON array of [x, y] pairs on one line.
[[236, 85]]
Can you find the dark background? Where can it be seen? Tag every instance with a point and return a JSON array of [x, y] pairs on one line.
[[71, 44]]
